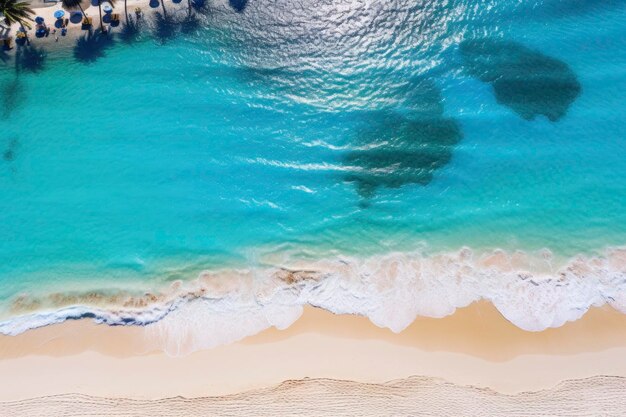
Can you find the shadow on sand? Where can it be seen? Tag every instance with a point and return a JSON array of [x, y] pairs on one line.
[[130, 31], [190, 24], [30, 58], [164, 28]]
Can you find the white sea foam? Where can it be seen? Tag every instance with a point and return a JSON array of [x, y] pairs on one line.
[[221, 307]]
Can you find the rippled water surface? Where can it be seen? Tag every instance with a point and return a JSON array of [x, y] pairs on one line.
[[311, 126]]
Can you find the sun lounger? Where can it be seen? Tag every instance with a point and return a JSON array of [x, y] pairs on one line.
[[87, 22]]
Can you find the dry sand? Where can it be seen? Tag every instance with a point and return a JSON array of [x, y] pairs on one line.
[[605, 396], [475, 346], [75, 30]]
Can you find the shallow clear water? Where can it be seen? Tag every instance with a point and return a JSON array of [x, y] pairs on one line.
[[353, 126]]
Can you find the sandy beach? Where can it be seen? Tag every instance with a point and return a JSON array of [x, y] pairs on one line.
[[54, 39], [474, 347]]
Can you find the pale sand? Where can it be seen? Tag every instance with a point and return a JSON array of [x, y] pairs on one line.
[[475, 346], [599, 396]]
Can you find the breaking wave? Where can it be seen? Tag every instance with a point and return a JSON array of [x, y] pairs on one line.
[[224, 306]]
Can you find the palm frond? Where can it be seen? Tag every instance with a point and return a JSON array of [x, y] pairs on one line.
[[16, 11]]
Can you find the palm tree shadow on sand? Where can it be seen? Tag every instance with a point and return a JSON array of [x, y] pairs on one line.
[[164, 27], [92, 46], [130, 31], [30, 59], [190, 24]]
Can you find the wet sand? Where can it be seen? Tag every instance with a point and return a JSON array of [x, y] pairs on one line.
[[476, 346]]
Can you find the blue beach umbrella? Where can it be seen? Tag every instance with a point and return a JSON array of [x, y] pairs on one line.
[[107, 8], [59, 14], [39, 20]]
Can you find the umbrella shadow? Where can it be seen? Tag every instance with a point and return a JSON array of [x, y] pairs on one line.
[[92, 46]]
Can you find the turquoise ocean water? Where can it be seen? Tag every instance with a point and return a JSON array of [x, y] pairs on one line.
[[315, 129]]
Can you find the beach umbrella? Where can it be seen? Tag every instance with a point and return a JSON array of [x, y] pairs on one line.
[[76, 16], [107, 8], [39, 20], [59, 14]]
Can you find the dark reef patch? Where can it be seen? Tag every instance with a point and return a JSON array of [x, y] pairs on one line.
[[527, 81], [395, 149]]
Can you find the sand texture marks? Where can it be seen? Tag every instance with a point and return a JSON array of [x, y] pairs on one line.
[[415, 396]]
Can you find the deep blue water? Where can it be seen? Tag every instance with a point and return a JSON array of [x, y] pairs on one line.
[[356, 126]]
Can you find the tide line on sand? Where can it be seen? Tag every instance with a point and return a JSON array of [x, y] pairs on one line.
[[601, 395]]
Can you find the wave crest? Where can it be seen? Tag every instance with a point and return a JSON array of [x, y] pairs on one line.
[[224, 306]]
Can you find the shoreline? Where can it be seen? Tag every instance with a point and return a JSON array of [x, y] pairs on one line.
[[394, 290], [473, 347]]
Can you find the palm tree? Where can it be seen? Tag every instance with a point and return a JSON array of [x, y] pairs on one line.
[[16, 11], [72, 4], [163, 6], [112, 3]]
